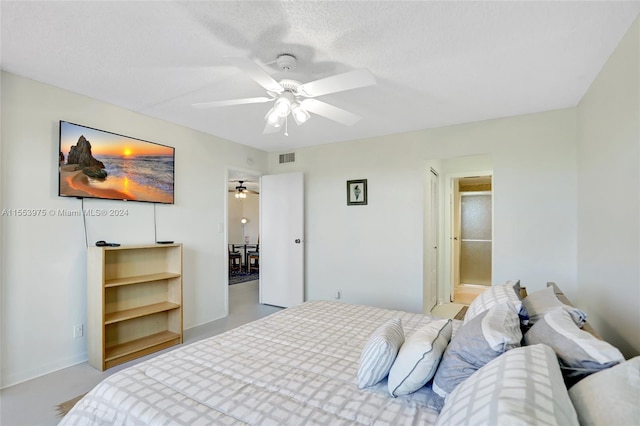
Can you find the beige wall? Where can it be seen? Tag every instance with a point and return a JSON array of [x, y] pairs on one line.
[[609, 197], [374, 253], [43, 282]]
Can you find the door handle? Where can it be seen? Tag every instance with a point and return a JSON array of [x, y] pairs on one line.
[[297, 241]]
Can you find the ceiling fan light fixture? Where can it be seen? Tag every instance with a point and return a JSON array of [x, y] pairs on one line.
[[300, 115], [241, 190], [296, 98], [272, 117], [282, 106]]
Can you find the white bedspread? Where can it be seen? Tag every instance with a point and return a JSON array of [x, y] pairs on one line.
[[295, 367]]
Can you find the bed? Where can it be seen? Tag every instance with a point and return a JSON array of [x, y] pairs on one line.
[[297, 366], [303, 365]]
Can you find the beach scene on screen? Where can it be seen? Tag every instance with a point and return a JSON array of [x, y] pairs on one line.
[[100, 164]]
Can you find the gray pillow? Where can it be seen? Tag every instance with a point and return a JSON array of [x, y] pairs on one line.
[[522, 387], [579, 353], [477, 342], [538, 303], [609, 397]]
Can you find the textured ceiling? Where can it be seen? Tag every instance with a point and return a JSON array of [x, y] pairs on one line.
[[436, 63]]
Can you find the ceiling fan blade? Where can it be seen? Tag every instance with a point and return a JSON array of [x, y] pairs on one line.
[[253, 70], [337, 83], [270, 129], [230, 102], [330, 111], [250, 191]]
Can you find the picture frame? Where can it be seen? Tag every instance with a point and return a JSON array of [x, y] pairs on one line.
[[357, 192]]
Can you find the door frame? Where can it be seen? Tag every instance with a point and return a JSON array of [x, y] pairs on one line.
[[432, 225], [224, 226], [451, 192]]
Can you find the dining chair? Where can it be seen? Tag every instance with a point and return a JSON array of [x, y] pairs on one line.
[[254, 259], [235, 259]]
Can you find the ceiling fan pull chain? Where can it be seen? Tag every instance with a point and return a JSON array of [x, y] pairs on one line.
[[286, 126]]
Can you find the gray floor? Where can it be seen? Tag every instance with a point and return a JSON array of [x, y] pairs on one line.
[[34, 402]]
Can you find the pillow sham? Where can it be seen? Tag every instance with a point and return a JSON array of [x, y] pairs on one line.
[[609, 397], [538, 303], [419, 357], [579, 353], [477, 342], [522, 387], [499, 293], [379, 353]]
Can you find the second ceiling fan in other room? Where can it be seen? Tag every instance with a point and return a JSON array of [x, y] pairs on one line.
[[293, 98]]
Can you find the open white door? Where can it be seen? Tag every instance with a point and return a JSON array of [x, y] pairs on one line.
[[282, 239], [430, 291]]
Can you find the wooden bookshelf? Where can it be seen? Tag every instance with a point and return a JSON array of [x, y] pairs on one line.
[[134, 302]]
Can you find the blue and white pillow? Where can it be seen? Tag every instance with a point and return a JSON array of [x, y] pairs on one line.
[[477, 342], [380, 352], [579, 352]]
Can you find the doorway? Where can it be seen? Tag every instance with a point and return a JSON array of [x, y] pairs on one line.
[[472, 236], [243, 238]]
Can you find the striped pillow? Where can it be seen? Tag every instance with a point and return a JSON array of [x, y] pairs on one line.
[[379, 353], [496, 294], [579, 353]]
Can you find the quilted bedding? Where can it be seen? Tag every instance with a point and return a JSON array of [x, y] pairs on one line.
[[295, 367]]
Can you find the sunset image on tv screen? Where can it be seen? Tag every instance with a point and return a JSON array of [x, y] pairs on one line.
[[98, 164]]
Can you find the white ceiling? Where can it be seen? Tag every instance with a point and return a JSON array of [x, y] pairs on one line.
[[436, 63]]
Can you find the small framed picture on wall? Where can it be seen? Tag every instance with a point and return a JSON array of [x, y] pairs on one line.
[[357, 192]]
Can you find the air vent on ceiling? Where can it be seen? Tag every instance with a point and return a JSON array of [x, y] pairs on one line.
[[288, 158]]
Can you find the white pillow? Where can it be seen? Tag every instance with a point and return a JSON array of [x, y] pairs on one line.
[[419, 357], [494, 295], [609, 397], [523, 386], [380, 352]]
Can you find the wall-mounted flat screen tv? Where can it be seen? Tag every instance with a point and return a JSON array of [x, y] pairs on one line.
[[99, 164]]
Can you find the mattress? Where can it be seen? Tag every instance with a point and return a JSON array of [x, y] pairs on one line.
[[295, 367]]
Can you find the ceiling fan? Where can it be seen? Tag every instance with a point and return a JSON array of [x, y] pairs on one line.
[[293, 98], [241, 191]]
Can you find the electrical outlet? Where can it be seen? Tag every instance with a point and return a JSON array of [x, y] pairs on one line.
[[78, 331]]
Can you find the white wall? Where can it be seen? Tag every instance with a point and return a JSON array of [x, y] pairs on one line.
[[374, 253], [609, 197], [44, 258]]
